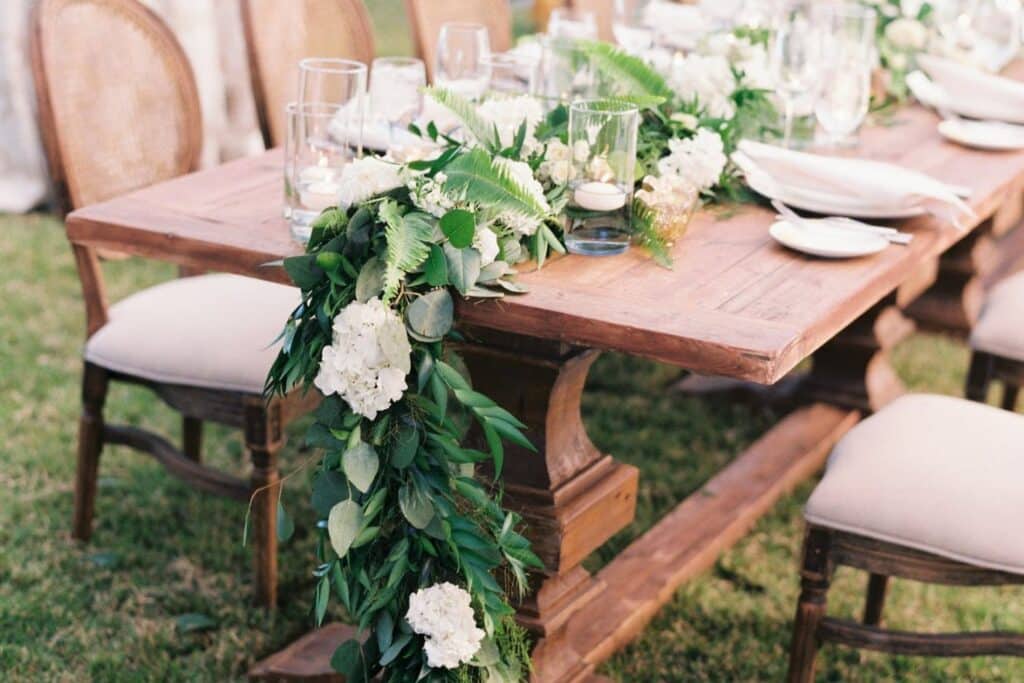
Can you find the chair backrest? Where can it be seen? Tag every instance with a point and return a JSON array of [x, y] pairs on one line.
[[427, 16], [278, 33], [604, 13], [118, 104]]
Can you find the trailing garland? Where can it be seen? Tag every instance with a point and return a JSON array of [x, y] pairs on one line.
[[413, 544]]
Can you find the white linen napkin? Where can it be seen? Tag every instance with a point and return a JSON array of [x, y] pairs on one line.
[[972, 92], [867, 182]]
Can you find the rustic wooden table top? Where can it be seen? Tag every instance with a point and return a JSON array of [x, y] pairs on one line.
[[736, 303]]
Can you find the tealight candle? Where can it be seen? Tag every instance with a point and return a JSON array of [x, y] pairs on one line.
[[319, 195], [599, 196]]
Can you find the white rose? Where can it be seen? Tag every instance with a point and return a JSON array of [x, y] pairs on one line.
[[367, 177], [486, 242], [687, 121], [509, 114], [906, 34], [699, 160], [368, 358], [556, 165]]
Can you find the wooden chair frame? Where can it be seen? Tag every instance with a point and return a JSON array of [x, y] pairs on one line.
[[986, 368], [495, 14], [262, 422], [825, 549], [366, 50]]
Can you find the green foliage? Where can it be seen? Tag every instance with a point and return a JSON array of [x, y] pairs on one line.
[[408, 244], [476, 174], [480, 128], [629, 75]]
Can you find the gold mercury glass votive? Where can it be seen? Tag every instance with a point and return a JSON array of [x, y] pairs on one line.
[[671, 209]]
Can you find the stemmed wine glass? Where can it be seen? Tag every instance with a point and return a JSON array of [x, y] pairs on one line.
[[396, 92], [572, 24], [462, 53], [513, 73], [848, 59], [628, 27], [796, 57]]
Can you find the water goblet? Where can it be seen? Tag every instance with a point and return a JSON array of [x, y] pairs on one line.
[[513, 74], [795, 58], [396, 92], [572, 24], [462, 51]]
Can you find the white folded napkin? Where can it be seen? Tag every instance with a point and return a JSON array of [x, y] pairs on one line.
[[868, 183], [970, 91]]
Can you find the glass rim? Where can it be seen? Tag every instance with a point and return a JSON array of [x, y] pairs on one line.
[[463, 26], [603, 105], [509, 57], [404, 61], [313, 109], [333, 65]]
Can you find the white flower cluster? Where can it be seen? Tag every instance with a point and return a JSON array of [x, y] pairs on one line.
[[428, 195], [746, 57], [698, 161], [708, 79], [366, 177], [444, 615], [486, 242], [669, 190], [368, 358], [522, 174], [906, 34], [508, 115]]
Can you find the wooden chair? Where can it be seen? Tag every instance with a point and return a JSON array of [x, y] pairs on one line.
[[315, 28], [427, 16], [997, 343], [604, 14], [927, 489], [119, 110]]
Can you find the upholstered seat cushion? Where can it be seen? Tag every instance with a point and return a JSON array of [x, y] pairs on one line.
[[211, 331], [938, 474], [1000, 328]]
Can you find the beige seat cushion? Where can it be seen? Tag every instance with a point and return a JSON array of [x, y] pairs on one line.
[[211, 331], [939, 474], [1000, 328]]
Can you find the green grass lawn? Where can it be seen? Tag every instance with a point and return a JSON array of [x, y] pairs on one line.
[[116, 609]]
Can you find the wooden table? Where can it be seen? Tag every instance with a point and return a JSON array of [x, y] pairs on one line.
[[735, 305]]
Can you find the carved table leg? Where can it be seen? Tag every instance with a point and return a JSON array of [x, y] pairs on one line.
[[852, 370], [572, 497]]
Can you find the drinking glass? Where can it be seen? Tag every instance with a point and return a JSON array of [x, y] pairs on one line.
[[332, 81], [602, 137], [462, 51], [628, 27], [396, 92], [796, 57], [573, 24], [996, 28], [842, 106], [513, 73], [314, 162]]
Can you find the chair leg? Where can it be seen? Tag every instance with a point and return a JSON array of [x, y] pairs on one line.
[[90, 444], [979, 376], [264, 441], [878, 585], [1010, 393], [192, 438], [810, 610]]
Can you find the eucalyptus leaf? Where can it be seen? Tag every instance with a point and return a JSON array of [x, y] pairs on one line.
[[415, 506], [493, 271], [436, 267], [406, 444], [463, 267], [360, 464], [329, 489], [459, 226], [477, 292], [513, 287], [323, 593], [343, 525], [285, 524], [430, 316], [370, 282]]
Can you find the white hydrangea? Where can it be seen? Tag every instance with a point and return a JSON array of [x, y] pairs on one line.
[[671, 189], [444, 615], [906, 34], [557, 165], [366, 177], [699, 160], [747, 57], [706, 78], [368, 358], [486, 242], [508, 115], [427, 194], [522, 174]]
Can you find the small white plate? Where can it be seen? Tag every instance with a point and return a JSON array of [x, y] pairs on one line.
[[828, 204], [826, 241], [990, 135]]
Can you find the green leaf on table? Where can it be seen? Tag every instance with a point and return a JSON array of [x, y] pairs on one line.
[[285, 524], [430, 316], [436, 267], [492, 271], [329, 489], [463, 267], [303, 270], [459, 226], [194, 621], [360, 464], [370, 282], [415, 506], [320, 599], [343, 524], [405, 446]]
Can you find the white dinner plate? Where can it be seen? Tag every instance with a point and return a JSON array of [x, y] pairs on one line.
[[990, 135], [826, 241], [824, 203]]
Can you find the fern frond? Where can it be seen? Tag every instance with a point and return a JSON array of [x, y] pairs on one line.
[[408, 240], [480, 128], [633, 76], [489, 183]]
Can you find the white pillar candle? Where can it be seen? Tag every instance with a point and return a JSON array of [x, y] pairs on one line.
[[598, 196]]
